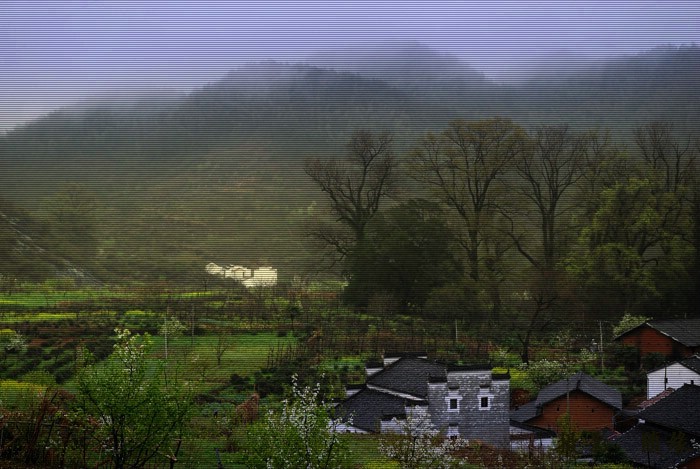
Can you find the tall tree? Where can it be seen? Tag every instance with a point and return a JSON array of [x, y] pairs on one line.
[[671, 160], [355, 186], [406, 253], [638, 240], [465, 166], [549, 171]]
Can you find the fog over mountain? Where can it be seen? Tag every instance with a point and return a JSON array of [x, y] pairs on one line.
[[227, 158], [409, 65]]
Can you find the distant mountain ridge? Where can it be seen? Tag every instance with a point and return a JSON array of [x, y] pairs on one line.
[[218, 172], [295, 110], [412, 65]]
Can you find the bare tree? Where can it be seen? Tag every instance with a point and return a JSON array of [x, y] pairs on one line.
[[555, 165], [465, 166], [223, 343], [355, 187], [673, 160]]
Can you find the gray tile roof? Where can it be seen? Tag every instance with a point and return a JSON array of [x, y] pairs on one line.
[[683, 331], [692, 363], [667, 449], [584, 383], [537, 431], [408, 375], [678, 411], [525, 412], [367, 408]]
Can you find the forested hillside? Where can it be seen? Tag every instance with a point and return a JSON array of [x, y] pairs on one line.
[[127, 189]]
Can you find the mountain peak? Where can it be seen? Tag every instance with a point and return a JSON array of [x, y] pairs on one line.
[[402, 64]]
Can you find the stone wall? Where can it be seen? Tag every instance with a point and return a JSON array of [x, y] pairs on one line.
[[476, 403]]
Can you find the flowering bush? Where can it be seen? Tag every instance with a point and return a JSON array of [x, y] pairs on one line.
[[419, 447], [301, 435], [139, 411]]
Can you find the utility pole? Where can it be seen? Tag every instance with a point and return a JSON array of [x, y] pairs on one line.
[[165, 331], [192, 316], [602, 354]]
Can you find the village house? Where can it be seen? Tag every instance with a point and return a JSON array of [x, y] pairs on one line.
[[668, 432], [673, 375], [470, 402], [592, 405], [261, 277], [674, 338]]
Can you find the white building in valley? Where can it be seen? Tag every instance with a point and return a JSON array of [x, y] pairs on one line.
[[261, 277]]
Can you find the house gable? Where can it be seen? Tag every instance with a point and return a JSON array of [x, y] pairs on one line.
[[591, 404], [673, 376], [679, 411], [407, 377], [366, 408], [587, 413], [671, 424], [656, 446], [671, 338]]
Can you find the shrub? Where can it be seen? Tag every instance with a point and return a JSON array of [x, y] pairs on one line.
[[306, 429]]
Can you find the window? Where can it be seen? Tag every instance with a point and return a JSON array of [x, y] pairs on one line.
[[485, 402], [452, 400]]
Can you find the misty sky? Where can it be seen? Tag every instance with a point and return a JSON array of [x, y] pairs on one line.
[[55, 53]]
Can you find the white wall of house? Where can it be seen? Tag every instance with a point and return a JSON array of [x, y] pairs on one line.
[[260, 277], [214, 269], [393, 425], [523, 441], [238, 272], [673, 376], [346, 428]]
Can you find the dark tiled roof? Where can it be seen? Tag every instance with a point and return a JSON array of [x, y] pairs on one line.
[[692, 363], [649, 402], [474, 367], [408, 375], [405, 354], [684, 331], [666, 448], [367, 407], [678, 411], [584, 383], [537, 431], [525, 412]]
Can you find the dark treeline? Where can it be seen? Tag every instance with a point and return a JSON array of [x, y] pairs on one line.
[[516, 227]]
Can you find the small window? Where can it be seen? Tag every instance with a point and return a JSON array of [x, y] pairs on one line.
[[453, 404], [592, 410], [484, 402]]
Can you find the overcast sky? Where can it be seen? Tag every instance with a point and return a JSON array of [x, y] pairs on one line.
[[55, 53]]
